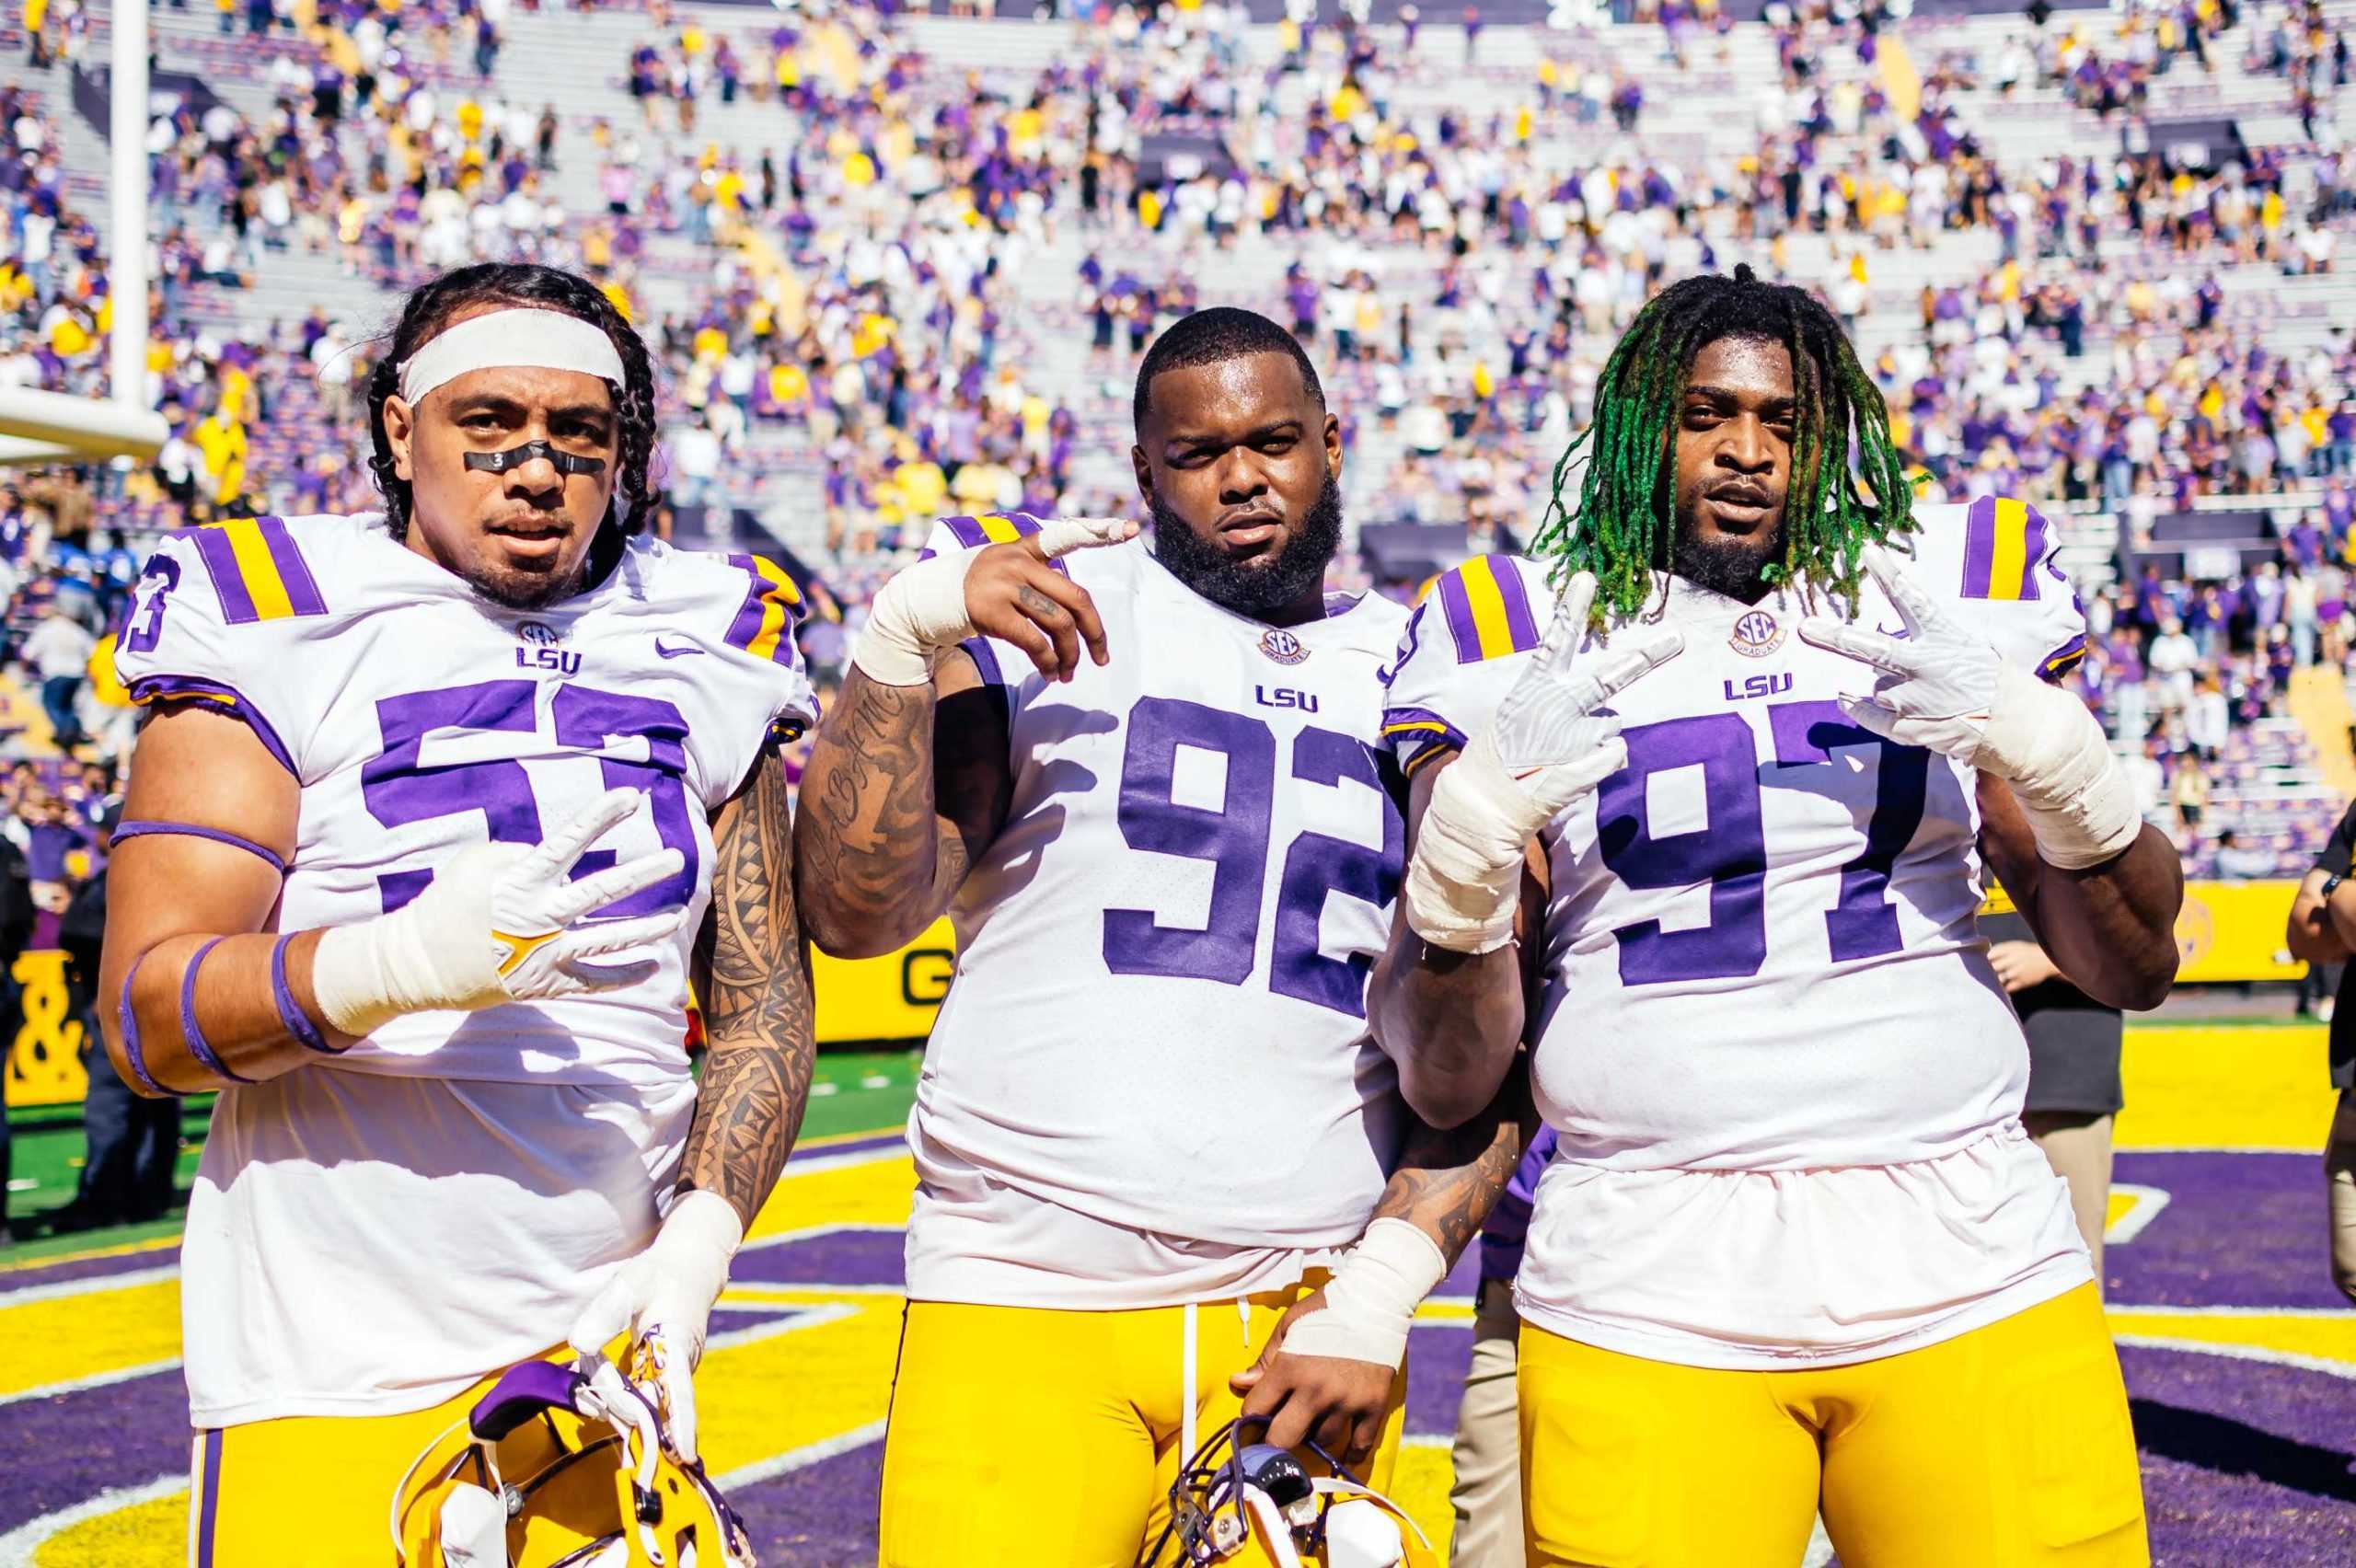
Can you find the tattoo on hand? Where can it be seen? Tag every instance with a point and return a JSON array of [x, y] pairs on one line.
[[1038, 606]]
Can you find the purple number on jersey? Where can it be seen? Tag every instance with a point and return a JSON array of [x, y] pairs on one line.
[[1317, 864], [147, 623], [1863, 924], [594, 721], [1730, 852], [398, 788], [1234, 838]]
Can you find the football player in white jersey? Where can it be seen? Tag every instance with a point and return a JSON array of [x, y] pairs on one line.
[[434, 813], [1793, 1248], [1149, 1119]]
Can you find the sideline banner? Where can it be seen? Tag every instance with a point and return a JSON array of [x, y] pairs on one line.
[[2233, 931], [2228, 932], [45, 1059], [890, 999]]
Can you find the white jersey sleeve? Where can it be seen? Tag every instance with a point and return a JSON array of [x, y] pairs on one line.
[[740, 610], [1462, 650], [1993, 560], [231, 616]]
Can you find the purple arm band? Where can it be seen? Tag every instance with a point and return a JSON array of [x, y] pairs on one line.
[[190, 1030], [290, 1012], [141, 829], [130, 1022]]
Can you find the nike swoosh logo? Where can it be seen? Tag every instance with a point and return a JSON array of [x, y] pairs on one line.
[[1897, 631], [674, 653]]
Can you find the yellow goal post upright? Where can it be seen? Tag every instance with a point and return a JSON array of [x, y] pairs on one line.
[[38, 427]]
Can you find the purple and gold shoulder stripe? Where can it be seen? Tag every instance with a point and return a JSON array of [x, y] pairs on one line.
[[256, 570], [990, 528], [1487, 610], [764, 620], [1418, 734], [2003, 541]]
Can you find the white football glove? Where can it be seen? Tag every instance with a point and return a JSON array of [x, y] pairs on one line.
[[921, 614], [1548, 743], [663, 1296], [1941, 687], [498, 923]]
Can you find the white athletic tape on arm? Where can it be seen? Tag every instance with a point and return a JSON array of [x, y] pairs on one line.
[[917, 617], [1464, 881], [1370, 1301], [540, 339], [416, 959], [2041, 739]]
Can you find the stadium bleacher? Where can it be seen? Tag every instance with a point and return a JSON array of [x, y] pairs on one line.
[[895, 263]]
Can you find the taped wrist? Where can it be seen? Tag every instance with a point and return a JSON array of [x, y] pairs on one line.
[[2041, 741], [917, 617], [1465, 877], [1370, 1301], [423, 957]]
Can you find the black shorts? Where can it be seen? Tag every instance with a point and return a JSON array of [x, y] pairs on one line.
[[2074, 1051]]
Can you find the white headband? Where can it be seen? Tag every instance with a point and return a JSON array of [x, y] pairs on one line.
[[544, 339]]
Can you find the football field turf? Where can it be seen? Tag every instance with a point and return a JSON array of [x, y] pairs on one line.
[[2239, 1353]]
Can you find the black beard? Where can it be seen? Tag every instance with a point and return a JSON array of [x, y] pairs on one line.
[[1734, 567], [1264, 583], [523, 590]]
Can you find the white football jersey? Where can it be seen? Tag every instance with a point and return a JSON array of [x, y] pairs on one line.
[[1761, 955], [418, 719], [1156, 1030]]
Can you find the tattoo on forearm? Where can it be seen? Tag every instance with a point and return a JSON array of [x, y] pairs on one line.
[[875, 845], [757, 1006], [1447, 1181]]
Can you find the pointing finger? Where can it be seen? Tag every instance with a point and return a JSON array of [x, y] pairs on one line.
[[564, 846], [617, 881], [1915, 605], [1061, 535], [1633, 661], [1866, 647], [1569, 627]]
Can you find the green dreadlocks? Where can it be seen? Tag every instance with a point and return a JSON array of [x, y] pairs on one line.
[[1625, 526]]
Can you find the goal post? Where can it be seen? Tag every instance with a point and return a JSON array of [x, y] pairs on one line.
[[54, 427]]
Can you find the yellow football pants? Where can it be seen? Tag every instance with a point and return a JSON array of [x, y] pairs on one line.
[[2004, 1446], [1029, 1435], [314, 1490]]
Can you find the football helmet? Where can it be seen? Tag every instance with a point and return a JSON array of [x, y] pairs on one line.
[[562, 1466], [1230, 1492]]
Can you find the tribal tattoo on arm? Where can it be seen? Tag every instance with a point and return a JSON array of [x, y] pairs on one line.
[[904, 787], [758, 1015]]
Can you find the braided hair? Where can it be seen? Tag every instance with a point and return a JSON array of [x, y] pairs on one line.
[[430, 308], [1624, 526]]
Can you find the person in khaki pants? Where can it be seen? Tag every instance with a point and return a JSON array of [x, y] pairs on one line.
[[1487, 1492]]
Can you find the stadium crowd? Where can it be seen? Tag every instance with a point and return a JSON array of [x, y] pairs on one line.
[[859, 318]]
